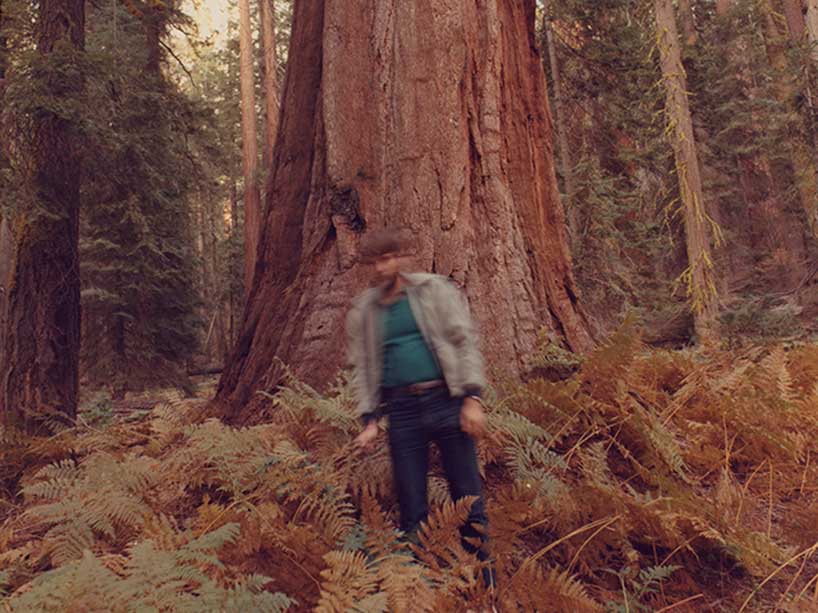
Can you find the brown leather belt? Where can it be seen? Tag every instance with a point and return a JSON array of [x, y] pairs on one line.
[[415, 389]]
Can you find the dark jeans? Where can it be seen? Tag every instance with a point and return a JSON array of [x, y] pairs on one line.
[[414, 422]]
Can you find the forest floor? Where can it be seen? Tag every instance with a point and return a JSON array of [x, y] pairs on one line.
[[651, 480]]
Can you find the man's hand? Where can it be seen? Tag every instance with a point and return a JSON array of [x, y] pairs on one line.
[[365, 439], [472, 418]]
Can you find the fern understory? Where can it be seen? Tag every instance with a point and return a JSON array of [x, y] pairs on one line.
[[649, 481]]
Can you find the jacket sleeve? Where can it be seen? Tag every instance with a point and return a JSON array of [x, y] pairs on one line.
[[356, 357], [462, 333]]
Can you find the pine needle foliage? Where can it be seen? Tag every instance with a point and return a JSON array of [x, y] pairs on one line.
[[137, 242]]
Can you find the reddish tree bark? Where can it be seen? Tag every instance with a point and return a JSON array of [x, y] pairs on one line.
[[566, 164], [429, 115], [268, 37], [6, 244], [794, 14], [688, 23], [38, 371], [249, 145], [3, 45]]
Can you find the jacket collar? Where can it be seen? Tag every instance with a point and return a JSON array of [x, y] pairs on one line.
[[416, 278]]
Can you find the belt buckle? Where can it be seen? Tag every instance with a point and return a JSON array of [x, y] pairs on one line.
[[418, 389]]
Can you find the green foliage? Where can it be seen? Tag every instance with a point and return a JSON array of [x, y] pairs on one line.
[[102, 498], [98, 410], [622, 165], [749, 85], [151, 578], [137, 244], [636, 588], [760, 319], [549, 359]]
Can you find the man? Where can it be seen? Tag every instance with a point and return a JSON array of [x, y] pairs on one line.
[[414, 353]]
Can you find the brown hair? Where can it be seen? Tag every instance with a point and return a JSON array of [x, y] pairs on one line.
[[382, 242]]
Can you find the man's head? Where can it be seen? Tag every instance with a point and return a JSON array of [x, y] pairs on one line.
[[384, 250]]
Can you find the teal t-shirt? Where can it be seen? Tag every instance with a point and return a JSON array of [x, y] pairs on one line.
[[407, 358]]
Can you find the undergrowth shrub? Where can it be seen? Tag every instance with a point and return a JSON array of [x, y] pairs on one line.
[[648, 478]]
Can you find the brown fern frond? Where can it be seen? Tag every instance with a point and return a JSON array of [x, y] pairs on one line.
[[348, 581], [441, 550], [557, 591], [381, 534], [408, 586], [775, 377], [330, 510], [606, 366]]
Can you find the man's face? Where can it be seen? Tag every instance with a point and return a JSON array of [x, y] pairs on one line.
[[387, 267]]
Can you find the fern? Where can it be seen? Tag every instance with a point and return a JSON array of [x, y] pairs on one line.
[[532, 589], [101, 496], [643, 460], [150, 579], [636, 590], [349, 581]]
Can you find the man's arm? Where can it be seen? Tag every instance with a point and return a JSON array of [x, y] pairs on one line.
[[461, 332], [356, 356]]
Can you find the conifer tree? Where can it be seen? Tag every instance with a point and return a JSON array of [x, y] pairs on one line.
[[41, 333], [141, 323]]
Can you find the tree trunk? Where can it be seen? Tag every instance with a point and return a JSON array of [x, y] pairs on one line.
[[6, 257], [153, 35], [3, 50], [700, 276], [38, 372], [234, 226], [452, 141], [806, 176], [207, 278], [812, 26], [216, 223], [6, 243], [566, 165], [249, 145], [794, 15], [268, 37], [688, 23]]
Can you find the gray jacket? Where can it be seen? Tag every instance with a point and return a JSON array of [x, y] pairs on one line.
[[443, 318]]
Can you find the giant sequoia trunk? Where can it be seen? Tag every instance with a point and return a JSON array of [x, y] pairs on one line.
[[431, 115], [566, 165], [41, 336]]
